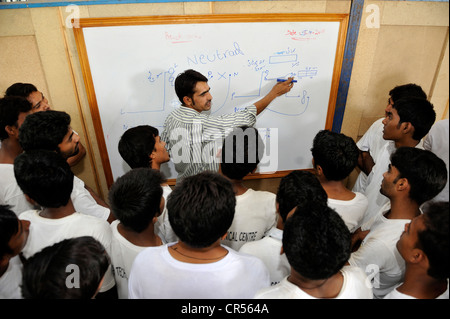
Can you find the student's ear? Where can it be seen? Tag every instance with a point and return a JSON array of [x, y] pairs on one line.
[[11, 130], [402, 184], [418, 256], [408, 128], [187, 100], [224, 236], [31, 201]]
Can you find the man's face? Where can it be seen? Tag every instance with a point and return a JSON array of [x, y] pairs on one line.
[[392, 128], [38, 102], [160, 154], [407, 243], [390, 179], [201, 99], [69, 146]]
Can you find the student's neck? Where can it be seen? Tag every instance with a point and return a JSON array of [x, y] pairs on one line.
[[155, 165], [146, 238], [60, 212], [403, 208], [408, 142], [336, 190], [238, 187], [327, 288], [419, 285], [10, 149], [183, 252]]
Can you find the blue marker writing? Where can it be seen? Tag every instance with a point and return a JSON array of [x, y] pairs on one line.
[[283, 80]]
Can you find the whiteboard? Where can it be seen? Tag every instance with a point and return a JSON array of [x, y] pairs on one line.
[[133, 67]]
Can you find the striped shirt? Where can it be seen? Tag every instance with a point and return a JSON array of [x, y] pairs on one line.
[[193, 139]]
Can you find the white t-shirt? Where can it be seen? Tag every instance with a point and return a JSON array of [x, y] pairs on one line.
[[268, 250], [255, 215], [122, 256], [84, 202], [45, 232], [354, 287], [155, 274], [11, 280], [162, 227], [378, 254], [395, 294], [352, 211]]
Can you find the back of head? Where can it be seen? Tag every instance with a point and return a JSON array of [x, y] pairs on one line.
[[45, 177], [296, 188], [20, 89], [316, 241], [70, 269], [407, 90], [44, 130], [185, 83], [242, 151], [10, 108], [135, 198], [336, 153], [434, 239], [8, 227], [426, 173], [419, 112], [137, 144], [201, 208]]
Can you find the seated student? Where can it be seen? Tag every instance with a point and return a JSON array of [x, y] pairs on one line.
[[13, 111], [201, 209], [316, 242], [73, 268], [255, 212], [424, 245], [141, 147], [13, 237], [46, 179], [51, 131], [40, 103], [295, 188], [334, 158], [136, 201]]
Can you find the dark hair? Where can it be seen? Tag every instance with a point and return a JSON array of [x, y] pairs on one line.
[[407, 90], [185, 83], [434, 240], [242, 151], [426, 173], [135, 197], [10, 108], [419, 112], [45, 177], [316, 241], [8, 227], [296, 188], [20, 89], [44, 130], [336, 153], [201, 208], [46, 274], [137, 144]]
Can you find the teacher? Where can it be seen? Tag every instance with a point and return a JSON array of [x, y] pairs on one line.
[[193, 137]]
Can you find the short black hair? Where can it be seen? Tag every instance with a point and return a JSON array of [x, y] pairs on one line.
[[185, 83], [137, 144], [10, 108], [201, 208], [8, 227], [407, 90], [20, 89]]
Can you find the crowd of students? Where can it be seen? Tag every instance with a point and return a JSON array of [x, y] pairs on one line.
[[211, 236]]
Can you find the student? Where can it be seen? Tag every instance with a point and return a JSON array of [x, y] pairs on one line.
[[372, 141], [201, 209], [413, 177], [334, 158], [40, 103], [437, 142], [255, 212], [316, 242], [295, 188], [141, 147], [73, 268], [13, 237], [424, 245], [199, 130], [406, 123], [45, 178], [136, 201], [51, 131], [13, 111]]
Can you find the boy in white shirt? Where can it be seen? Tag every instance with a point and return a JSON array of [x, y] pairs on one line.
[[136, 201], [46, 179], [424, 245], [317, 244], [334, 158], [255, 213], [201, 209]]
